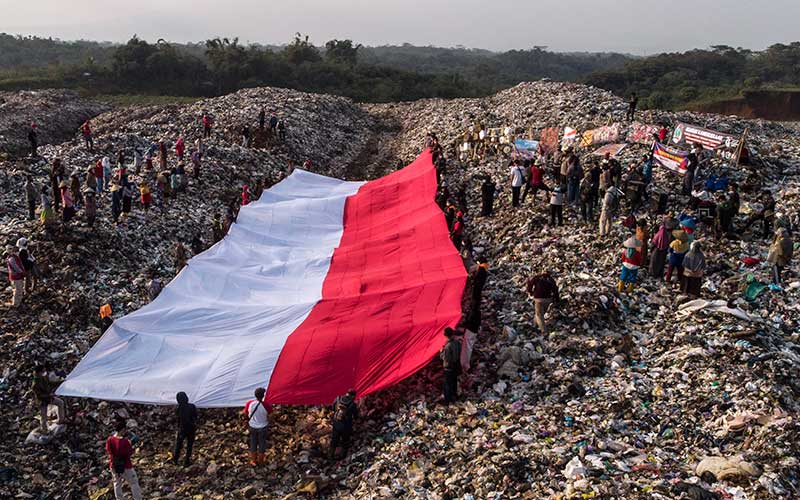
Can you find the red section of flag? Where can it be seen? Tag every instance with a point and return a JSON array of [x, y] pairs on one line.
[[395, 282]]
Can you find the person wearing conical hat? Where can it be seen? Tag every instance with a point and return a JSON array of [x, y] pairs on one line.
[[631, 262], [91, 205], [677, 250], [694, 266]]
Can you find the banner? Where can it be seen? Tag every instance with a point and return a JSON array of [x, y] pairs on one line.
[[641, 133], [672, 158], [525, 148], [611, 149], [549, 139], [570, 134], [600, 135], [724, 146]]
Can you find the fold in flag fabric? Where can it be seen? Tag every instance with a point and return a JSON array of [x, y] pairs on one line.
[[320, 286]]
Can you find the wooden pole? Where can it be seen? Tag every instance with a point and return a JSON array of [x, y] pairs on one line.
[[741, 145]]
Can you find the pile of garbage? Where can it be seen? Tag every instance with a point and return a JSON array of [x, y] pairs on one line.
[[57, 114], [640, 395]]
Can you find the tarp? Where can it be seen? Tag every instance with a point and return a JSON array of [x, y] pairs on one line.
[[320, 286]]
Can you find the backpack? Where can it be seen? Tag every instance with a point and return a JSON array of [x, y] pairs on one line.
[[341, 411]]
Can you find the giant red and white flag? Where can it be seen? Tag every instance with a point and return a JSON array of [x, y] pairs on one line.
[[320, 286]]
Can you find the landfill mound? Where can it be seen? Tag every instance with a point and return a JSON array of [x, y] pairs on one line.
[[630, 396], [57, 113]]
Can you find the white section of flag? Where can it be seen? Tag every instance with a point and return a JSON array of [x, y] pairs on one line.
[[216, 330]]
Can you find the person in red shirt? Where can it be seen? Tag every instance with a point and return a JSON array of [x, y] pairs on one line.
[[180, 148], [120, 451], [536, 180], [245, 195], [632, 259], [86, 131], [257, 413], [457, 233], [206, 126]]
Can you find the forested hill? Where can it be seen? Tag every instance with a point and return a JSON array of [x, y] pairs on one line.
[[386, 73]]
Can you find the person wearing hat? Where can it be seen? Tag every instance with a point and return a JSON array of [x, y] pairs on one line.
[[780, 253], [694, 265], [91, 206], [16, 275], [631, 262], [29, 263], [557, 207], [544, 289], [257, 413], [677, 250], [658, 258], [66, 199], [345, 412], [451, 364]]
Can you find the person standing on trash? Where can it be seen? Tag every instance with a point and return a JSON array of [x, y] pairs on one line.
[[608, 211], [196, 164], [574, 176], [86, 132], [75, 190], [16, 275], [257, 413], [145, 196], [631, 262], [245, 195], [262, 118], [33, 140], [451, 363], [536, 180], [116, 202], [586, 192], [180, 257], [66, 199], [643, 235], [43, 388], [688, 176], [658, 258], [517, 181], [217, 228], [197, 245], [28, 263], [48, 216], [31, 196], [632, 103], [180, 148], [457, 234], [565, 162], [677, 251], [128, 189], [91, 206], [206, 126], [479, 277], [120, 451], [766, 215], [56, 176], [556, 207], [107, 174], [162, 155], [780, 254], [694, 265], [187, 428], [345, 412], [544, 289], [487, 196]]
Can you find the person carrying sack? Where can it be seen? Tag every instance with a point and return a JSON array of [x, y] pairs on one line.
[[257, 413], [345, 411]]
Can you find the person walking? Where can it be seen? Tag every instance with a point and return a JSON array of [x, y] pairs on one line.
[[120, 451], [257, 413], [694, 265], [535, 180], [544, 289], [487, 196], [451, 363], [610, 202], [345, 412], [187, 428], [780, 254], [86, 132]]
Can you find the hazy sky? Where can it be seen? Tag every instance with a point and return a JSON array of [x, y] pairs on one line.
[[634, 26]]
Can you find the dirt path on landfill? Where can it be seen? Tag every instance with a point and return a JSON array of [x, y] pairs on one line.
[[379, 156]]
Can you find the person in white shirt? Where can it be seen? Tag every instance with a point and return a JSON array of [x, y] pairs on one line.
[[517, 181], [257, 412]]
